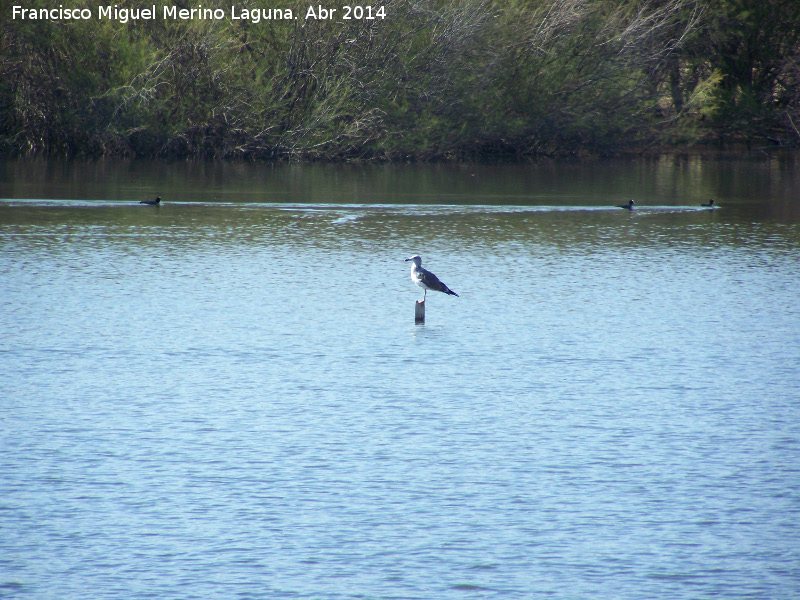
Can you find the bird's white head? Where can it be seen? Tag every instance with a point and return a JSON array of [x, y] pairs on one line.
[[416, 259]]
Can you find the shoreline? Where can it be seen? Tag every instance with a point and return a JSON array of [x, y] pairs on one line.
[[706, 152]]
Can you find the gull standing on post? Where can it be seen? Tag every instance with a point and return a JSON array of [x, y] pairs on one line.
[[425, 279]]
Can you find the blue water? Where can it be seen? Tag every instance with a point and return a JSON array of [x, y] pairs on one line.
[[232, 400]]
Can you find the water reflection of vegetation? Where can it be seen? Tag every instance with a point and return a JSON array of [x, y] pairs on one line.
[[672, 180]]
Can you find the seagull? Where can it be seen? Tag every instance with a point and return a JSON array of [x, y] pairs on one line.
[[710, 204], [152, 202], [425, 279], [628, 206]]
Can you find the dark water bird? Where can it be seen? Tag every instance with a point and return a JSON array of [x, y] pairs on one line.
[[155, 202], [425, 279], [628, 206], [710, 204]]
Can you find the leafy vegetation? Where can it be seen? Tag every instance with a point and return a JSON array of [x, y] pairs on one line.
[[434, 80]]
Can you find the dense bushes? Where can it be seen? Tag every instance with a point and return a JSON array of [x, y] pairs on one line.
[[433, 80]]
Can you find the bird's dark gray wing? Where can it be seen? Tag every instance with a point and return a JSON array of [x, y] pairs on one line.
[[432, 282]]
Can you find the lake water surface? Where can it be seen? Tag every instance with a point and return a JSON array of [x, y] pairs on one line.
[[226, 396]]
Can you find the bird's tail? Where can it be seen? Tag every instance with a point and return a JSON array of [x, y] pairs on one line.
[[451, 292]]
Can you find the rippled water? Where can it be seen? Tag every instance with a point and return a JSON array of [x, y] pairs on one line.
[[230, 399]]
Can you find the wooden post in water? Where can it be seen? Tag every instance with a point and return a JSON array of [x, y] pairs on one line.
[[419, 311]]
